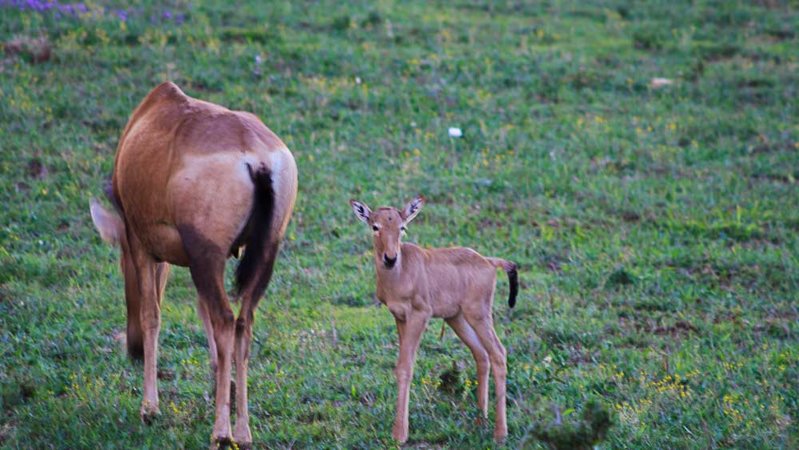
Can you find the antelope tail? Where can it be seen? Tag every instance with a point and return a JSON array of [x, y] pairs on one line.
[[253, 272], [513, 277]]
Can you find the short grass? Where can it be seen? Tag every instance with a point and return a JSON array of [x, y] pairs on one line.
[[656, 229]]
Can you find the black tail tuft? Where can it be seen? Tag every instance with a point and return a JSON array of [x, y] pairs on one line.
[[108, 190], [253, 270], [513, 279]]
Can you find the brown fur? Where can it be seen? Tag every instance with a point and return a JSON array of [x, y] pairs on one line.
[[455, 284], [192, 182]]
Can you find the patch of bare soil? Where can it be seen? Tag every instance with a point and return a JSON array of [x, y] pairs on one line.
[[34, 49]]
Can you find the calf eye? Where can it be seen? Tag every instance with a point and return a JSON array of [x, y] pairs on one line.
[[375, 227]]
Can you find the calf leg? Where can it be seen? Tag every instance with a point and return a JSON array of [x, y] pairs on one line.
[[410, 333], [484, 327], [469, 337]]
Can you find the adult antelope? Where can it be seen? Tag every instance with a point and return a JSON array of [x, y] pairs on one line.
[[194, 183], [455, 284]]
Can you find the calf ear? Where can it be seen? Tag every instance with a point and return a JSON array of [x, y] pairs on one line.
[[412, 208], [361, 211], [109, 224]]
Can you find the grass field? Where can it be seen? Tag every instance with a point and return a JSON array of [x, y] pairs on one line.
[[655, 229]]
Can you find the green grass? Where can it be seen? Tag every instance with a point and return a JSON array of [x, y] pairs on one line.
[[656, 229]]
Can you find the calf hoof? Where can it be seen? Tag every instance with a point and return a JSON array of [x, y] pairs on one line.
[[149, 411], [500, 435], [399, 435]]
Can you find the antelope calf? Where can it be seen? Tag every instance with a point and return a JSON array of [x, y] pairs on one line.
[[193, 183], [455, 284]]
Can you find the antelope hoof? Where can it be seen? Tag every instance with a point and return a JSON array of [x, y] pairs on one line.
[[242, 436], [243, 445], [221, 441], [221, 435], [149, 411]]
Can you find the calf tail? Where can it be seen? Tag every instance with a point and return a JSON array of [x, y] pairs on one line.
[[513, 277]]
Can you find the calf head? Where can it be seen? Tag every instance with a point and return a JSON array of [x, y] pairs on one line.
[[388, 225]]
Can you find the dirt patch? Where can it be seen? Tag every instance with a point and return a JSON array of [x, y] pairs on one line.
[[648, 325], [778, 323], [6, 430], [679, 328], [367, 399], [580, 355], [630, 216], [166, 374], [121, 339], [620, 277], [37, 170], [5, 295], [780, 178], [35, 50], [312, 417]]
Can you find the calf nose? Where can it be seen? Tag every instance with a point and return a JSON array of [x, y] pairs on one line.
[[389, 262]]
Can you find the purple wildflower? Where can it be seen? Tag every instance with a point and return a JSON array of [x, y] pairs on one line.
[[76, 9]]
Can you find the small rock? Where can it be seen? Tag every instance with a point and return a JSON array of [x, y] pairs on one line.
[[658, 83]]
